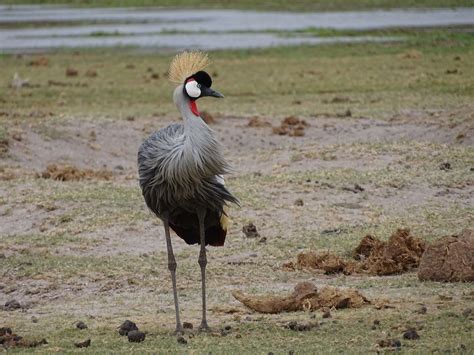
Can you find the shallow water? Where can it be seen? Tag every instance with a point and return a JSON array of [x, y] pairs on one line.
[[204, 29]]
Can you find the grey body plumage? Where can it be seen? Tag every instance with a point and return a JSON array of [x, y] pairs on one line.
[[180, 167]]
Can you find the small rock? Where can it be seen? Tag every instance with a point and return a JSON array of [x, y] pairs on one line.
[[227, 327], [299, 202], [135, 336], [83, 344], [467, 312], [422, 310], [250, 231], [411, 334], [127, 327], [181, 340], [263, 240], [12, 305], [389, 343], [445, 166], [34, 319], [376, 322], [71, 72], [188, 325], [5, 331], [130, 66], [81, 325], [300, 327], [327, 314]]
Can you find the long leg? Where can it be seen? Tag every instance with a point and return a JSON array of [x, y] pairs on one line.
[[172, 268], [202, 263]]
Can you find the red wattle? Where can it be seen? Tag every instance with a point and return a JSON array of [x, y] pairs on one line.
[[194, 108]]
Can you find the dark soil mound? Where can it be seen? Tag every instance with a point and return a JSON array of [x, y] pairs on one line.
[[305, 297], [449, 259]]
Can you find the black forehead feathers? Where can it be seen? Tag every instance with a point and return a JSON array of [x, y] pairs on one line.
[[202, 78]]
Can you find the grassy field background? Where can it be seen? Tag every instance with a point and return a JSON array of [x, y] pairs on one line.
[[89, 250]]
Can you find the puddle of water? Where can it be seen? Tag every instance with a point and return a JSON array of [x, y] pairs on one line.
[[205, 29]]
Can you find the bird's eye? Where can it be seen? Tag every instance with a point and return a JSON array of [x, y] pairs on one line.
[[199, 85]]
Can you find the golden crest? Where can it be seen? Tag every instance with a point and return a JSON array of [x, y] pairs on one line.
[[186, 64]]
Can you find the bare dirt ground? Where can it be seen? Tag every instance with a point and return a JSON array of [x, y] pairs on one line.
[[84, 247], [322, 168]]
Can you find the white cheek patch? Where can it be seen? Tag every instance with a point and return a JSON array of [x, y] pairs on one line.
[[192, 89]]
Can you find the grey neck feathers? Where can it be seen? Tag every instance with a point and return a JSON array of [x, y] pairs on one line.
[[197, 155]]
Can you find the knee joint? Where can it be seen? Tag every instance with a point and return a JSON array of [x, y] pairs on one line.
[[172, 265], [202, 261]]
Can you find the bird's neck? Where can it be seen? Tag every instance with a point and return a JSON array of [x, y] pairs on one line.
[[199, 145]]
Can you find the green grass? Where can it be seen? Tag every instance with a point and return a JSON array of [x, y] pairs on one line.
[[274, 5], [378, 78]]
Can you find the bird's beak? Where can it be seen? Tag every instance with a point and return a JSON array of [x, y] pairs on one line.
[[209, 92]]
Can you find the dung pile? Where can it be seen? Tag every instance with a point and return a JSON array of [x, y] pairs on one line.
[[291, 126], [449, 259], [304, 297], [8, 339], [325, 261], [72, 173], [401, 253], [258, 122]]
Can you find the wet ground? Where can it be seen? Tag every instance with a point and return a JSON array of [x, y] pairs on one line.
[[204, 29]]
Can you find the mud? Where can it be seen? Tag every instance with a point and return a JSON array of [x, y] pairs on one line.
[[306, 296], [401, 253], [449, 259], [72, 173]]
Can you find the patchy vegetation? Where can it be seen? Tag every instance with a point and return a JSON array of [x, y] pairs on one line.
[[88, 250]]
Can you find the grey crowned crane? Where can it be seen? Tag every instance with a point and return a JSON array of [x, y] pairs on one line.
[[181, 170]]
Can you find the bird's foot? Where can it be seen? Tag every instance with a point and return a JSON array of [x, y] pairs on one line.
[[179, 330], [204, 327]]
